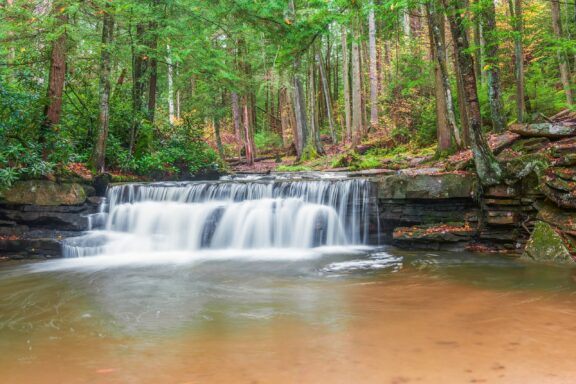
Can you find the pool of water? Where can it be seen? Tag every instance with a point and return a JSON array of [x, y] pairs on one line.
[[331, 315]]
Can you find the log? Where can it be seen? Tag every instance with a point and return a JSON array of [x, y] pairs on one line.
[[549, 130]]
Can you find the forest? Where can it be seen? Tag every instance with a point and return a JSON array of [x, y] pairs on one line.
[[170, 89]]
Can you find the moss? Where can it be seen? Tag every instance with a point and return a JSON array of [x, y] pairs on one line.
[[345, 160], [547, 245], [293, 168], [522, 166], [309, 153]]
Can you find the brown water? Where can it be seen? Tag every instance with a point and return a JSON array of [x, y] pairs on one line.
[[405, 318]]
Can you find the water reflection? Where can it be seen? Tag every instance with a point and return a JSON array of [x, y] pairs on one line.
[[331, 315]]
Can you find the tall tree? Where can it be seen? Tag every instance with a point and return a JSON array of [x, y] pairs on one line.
[[488, 22], [57, 74], [327, 99], [563, 61], [357, 115], [373, 67], [436, 23], [443, 127], [346, 86], [170, 78], [515, 7], [487, 167], [104, 89]]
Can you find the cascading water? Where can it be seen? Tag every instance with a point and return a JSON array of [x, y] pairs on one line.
[[228, 214]]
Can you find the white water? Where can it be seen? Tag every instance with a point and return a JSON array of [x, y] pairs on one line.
[[200, 217]]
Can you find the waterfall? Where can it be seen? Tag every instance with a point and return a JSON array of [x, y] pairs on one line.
[[228, 214]]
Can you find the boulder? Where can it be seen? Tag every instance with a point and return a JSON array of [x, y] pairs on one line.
[[547, 245], [549, 130], [43, 192], [427, 186]]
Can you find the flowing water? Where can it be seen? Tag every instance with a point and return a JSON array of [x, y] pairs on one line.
[[273, 281]]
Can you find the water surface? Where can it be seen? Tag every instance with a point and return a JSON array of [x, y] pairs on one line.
[[324, 315]]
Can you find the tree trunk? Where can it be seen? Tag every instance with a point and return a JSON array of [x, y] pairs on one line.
[[373, 68], [152, 84], [516, 13], [171, 109], [346, 81], [443, 130], [487, 167], [301, 131], [478, 57], [236, 116], [286, 116], [462, 103], [249, 141], [139, 69], [56, 79], [436, 22], [357, 127], [218, 138], [561, 53], [327, 100], [488, 19], [314, 147], [104, 91]]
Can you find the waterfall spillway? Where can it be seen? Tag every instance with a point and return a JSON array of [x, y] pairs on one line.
[[229, 214]]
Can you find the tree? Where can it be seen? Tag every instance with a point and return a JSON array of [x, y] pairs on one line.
[[515, 7], [487, 167], [104, 90], [563, 62], [373, 68], [57, 75], [436, 25], [488, 22]]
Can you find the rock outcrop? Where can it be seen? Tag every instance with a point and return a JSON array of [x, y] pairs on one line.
[[36, 215]]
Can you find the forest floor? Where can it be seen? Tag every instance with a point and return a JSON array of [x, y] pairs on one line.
[[375, 153]]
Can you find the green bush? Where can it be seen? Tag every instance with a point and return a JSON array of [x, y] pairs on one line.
[[267, 140]]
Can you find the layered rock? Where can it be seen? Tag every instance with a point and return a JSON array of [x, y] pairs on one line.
[[36, 215]]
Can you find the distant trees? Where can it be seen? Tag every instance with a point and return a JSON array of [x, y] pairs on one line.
[[123, 81]]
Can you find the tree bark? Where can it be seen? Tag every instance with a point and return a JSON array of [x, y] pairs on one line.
[[443, 131], [373, 68], [104, 91], [56, 80], [139, 69], [218, 138], [561, 53], [436, 21], [249, 141], [236, 116], [346, 81], [357, 127], [171, 109], [517, 26], [462, 103], [487, 167], [301, 131], [327, 100], [488, 19]]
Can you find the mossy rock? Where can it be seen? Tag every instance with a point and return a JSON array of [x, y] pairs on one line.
[[427, 186], [43, 192], [546, 245], [522, 166], [530, 145]]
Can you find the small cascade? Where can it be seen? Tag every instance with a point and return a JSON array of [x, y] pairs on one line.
[[228, 214]]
